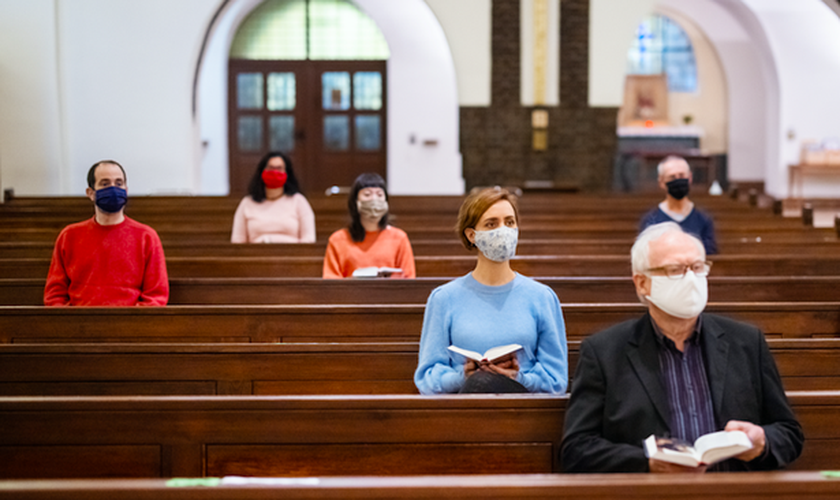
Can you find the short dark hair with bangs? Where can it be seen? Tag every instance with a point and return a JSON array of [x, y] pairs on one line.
[[366, 180]]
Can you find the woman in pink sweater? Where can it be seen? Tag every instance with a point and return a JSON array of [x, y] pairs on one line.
[[274, 211]]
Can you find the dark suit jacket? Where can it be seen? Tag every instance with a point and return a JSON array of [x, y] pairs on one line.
[[618, 398]]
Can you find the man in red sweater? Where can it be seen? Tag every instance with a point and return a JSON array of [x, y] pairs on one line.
[[108, 260]]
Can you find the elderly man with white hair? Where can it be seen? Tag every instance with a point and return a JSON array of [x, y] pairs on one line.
[[675, 372], [675, 179]]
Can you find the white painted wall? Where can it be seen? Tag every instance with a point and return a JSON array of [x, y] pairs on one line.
[[804, 37], [750, 80], [612, 26], [468, 27], [30, 134], [127, 71]]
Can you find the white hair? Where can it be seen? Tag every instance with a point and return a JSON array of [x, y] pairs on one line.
[[669, 159], [640, 253]]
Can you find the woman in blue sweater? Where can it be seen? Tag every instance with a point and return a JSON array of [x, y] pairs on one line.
[[490, 307]]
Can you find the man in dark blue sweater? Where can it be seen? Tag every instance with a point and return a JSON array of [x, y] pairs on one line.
[[675, 179]]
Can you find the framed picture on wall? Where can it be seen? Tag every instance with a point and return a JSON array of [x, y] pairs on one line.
[[645, 101]]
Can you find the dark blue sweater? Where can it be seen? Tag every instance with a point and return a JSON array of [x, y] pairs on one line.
[[697, 223]]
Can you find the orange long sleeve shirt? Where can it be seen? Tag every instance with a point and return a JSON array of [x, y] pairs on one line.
[[386, 248]]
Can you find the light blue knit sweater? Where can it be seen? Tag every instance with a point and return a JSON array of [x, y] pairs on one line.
[[477, 317]]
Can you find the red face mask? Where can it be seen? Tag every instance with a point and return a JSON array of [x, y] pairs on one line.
[[274, 179]]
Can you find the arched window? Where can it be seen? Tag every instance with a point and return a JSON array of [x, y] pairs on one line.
[[309, 29], [308, 77], [661, 46]]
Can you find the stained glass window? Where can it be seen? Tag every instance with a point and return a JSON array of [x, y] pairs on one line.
[[661, 46], [309, 29]]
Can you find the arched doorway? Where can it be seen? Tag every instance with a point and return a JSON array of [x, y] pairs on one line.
[[308, 77]]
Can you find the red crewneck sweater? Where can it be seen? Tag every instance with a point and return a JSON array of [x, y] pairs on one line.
[[96, 265]]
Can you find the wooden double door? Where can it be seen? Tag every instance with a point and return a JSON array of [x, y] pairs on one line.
[[328, 116]]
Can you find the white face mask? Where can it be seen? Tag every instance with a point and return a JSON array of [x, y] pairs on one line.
[[373, 209], [683, 298], [498, 244]]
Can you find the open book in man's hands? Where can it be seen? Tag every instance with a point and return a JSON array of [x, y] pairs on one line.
[[375, 272], [707, 449], [462, 355]]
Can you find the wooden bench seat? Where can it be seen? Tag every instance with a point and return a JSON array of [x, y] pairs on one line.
[[608, 220], [458, 265], [449, 246], [555, 227], [222, 291], [221, 206], [57, 437], [289, 369], [780, 484], [348, 323]]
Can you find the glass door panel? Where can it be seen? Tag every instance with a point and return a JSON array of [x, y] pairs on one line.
[[249, 90], [367, 90], [281, 91], [336, 90]]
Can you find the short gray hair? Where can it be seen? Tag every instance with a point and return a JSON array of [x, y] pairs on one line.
[[640, 253], [669, 159]]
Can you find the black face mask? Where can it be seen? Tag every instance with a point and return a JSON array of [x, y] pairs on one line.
[[678, 188]]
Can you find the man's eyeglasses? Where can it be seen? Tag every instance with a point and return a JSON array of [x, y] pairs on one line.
[[677, 271]]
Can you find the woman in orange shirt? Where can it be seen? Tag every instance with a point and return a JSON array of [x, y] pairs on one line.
[[369, 242]]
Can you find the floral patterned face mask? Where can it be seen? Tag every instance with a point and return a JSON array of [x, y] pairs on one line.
[[498, 244]]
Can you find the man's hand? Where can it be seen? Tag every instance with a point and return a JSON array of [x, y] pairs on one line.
[[661, 467], [756, 435], [507, 365]]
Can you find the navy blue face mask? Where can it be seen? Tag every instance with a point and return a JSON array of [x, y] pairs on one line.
[[678, 188], [111, 199]]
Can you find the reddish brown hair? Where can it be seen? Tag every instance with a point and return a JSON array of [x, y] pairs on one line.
[[476, 204]]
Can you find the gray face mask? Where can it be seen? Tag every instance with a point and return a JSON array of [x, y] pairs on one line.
[[498, 244], [372, 209]]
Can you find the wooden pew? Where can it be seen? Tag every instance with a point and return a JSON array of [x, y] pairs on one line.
[[458, 265], [449, 246], [199, 232], [56, 437], [609, 218], [282, 436], [289, 369], [228, 291], [348, 323], [221, 206], [765, 485]]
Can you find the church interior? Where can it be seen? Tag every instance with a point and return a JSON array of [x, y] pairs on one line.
[[261, 379]]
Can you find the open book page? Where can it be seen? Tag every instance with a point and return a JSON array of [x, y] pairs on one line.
[[375, 272], [460, 355], [721, 445], [707, 449]]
